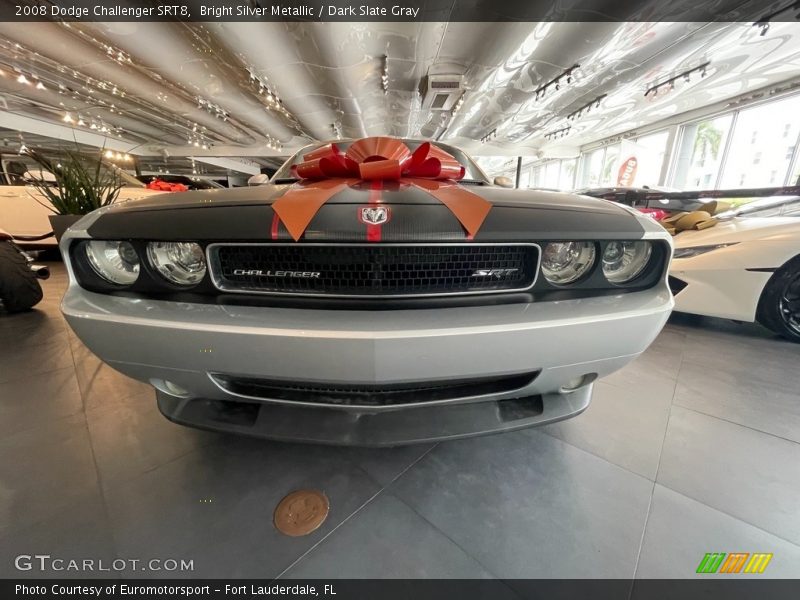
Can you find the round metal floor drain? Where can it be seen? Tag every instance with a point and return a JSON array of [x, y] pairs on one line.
[[301, 512]]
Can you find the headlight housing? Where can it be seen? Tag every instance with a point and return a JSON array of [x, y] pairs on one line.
[[114, 261], [566, 262], [181, 263], [624, 261], [697, 250]]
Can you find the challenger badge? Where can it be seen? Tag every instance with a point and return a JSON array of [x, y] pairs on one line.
[[373, 215]]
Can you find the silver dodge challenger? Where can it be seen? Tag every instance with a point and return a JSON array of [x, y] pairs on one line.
[[375, 292]]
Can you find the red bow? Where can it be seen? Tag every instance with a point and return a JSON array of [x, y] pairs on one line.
[[378, 158]]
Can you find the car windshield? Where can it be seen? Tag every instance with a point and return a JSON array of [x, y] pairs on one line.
[[473, 172], [773, 206]]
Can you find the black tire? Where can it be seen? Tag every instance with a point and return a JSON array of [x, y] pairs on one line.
[[19, 287], [779, 305]]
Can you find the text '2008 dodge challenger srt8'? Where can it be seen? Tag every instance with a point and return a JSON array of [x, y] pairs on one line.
[[376, 292]]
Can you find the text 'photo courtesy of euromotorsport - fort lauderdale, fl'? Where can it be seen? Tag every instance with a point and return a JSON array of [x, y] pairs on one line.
[[399, 298]]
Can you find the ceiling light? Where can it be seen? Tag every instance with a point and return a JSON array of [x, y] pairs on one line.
[[67, 118], [40, 86], [22, 79]]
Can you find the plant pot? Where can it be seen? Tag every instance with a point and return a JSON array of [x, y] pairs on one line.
[[60, 223]]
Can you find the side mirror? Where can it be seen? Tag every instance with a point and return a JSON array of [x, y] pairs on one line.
[[259, 179], [504, 182]]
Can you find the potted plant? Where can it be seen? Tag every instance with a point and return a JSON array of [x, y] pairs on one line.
[[77, 187]]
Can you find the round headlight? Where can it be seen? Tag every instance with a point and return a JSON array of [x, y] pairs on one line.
[[181, 263], [624, 261], [566, 262], [116, 262]]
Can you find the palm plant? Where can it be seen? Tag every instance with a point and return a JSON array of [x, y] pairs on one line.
[[81, 186], [708, 137]]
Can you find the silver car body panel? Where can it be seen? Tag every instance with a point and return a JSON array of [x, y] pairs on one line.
[[158, 341]]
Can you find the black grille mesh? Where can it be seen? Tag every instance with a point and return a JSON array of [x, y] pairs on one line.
[[374, 395], [374, 270]]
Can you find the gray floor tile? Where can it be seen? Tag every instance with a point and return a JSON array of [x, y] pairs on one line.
[[46, 330], [132, 437], [654, 368], [768, 357], [625, 426], [680, 531], [31, 401], [232, 535], [79, 530], [527, 505], [43, 470], [388, 540], [745, 473], [385, 464], [31, 322], [101, 385], [742, 396], [17, 362]]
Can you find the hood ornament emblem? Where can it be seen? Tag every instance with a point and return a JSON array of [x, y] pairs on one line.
[[374, 215]]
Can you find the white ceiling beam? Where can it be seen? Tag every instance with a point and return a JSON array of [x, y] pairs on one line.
[[24, 124], [229, 163]]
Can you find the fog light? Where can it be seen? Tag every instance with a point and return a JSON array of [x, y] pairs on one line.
[[578, 382], [168, 387]]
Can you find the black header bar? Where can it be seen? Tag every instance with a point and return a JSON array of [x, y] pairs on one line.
[[707, 588], [401, 10]]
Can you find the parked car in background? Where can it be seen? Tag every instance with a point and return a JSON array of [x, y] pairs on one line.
[[376, 292], [19, 277], [24, 210], [746, 267], [190, 183], [645, 199]]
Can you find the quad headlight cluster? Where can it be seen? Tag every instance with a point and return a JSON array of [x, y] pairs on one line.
[[182, 264], [621, 262]]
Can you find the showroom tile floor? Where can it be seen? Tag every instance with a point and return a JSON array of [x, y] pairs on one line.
[[693, 448]]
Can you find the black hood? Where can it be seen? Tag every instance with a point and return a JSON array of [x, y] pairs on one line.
[[246, 214]]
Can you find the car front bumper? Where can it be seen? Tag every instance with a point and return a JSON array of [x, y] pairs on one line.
[[171, 344]]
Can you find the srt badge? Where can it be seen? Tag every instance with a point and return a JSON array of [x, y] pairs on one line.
[[373, 215]]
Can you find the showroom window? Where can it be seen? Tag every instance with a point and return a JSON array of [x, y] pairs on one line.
[[592, 168], [556, 174], [599, 168], [767, 159], [650, 152], [566, 178], [698, 161], [498, 166]]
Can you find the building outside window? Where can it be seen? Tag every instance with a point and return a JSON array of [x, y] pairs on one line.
[[699, 156], [768, 160]]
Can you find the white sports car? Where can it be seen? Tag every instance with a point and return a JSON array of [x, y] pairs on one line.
[[746, 268]]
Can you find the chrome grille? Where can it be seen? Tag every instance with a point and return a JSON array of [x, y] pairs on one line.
[[373, 270]]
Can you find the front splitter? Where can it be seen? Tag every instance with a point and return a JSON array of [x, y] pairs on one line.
[[395, 428]]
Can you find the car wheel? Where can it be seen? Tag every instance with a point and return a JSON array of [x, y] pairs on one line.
[[779, 306], [19, 287]]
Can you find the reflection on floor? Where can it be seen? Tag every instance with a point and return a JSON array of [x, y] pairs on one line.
[[693, 448]]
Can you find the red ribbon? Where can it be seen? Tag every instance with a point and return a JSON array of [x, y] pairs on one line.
[[328, 171], [165, 186]]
